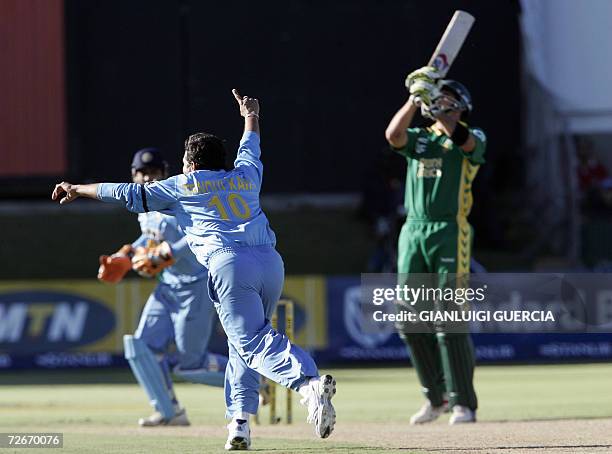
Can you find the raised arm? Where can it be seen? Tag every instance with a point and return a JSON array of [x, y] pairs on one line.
[[459, 134], [396, 133], [421, 84], [249, 109], [249, 151]]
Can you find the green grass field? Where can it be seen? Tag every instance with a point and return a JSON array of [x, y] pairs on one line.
[[97, 410]]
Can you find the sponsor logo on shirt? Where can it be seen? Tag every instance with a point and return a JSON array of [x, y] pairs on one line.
[[429, 168], [421, 145]]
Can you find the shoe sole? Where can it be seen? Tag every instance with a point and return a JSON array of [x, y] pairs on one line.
[[326, 414], [457, 423], [425, 421], [237, 444], [178, 422]]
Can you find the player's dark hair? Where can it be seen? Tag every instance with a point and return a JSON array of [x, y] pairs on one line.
[[206, 151]]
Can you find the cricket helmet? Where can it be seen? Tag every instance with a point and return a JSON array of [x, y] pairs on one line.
[[461, 93]]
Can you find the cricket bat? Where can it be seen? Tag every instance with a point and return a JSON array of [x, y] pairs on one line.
[[451, 42]]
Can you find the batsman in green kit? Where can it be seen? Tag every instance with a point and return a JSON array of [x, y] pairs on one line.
[[436, 238]]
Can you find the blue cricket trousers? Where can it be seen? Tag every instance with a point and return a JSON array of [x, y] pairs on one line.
[[245, 283]]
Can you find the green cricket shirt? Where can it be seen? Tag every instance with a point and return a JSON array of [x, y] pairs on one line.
[[440, 175]]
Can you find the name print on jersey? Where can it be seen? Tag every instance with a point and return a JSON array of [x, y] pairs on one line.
[[235, 183]]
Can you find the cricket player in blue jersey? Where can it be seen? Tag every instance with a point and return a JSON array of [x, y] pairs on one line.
[[220, 213], [178, 311]]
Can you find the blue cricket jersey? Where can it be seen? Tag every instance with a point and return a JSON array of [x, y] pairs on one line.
[[215, 209], [158, 227]]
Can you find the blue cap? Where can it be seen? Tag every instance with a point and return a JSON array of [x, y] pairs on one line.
[[148, 157]]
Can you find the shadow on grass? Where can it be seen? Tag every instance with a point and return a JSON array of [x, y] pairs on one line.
[[510, 448], [347, 448]]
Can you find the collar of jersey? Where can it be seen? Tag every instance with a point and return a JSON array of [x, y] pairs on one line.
[[437, 132]]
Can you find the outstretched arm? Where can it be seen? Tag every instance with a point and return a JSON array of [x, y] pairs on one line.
[[138, 198], [67, 192]]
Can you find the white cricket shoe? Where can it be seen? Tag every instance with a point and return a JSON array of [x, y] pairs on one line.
[[156, 419], [317, 395], [239, 438], [428, 413], [461, 415]]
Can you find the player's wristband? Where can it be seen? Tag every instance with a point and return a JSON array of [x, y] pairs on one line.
[[252, 114], [460, 135]]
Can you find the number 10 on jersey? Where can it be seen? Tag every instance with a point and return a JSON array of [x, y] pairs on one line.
[[237, 205]]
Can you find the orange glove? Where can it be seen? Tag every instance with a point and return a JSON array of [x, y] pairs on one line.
[[114, 267], [149, 262]]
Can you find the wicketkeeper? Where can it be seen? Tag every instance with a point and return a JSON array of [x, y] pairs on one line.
[[443, 160], [178, 311]]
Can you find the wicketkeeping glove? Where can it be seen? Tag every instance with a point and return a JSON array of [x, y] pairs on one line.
[[149, 262], [114, 267], [422, 84]]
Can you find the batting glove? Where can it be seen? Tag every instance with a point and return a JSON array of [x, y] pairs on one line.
[[422, 84]]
